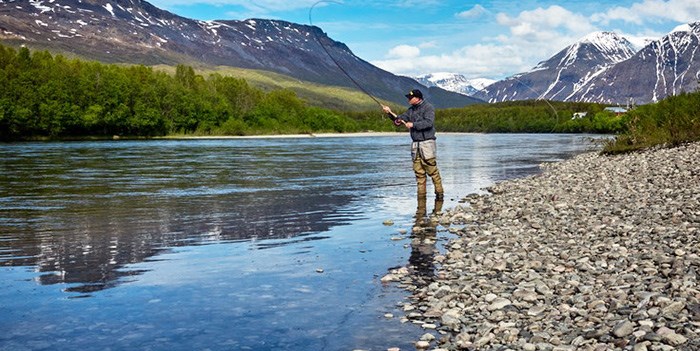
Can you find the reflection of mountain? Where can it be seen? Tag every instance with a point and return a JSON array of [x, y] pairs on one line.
[[90, 247], [81, 215]]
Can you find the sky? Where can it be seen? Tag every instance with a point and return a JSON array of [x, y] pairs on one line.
[[490, 39]]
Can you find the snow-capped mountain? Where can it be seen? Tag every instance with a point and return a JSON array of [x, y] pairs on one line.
[[566, 73], [664, 67], [136, 32], [454, 82]]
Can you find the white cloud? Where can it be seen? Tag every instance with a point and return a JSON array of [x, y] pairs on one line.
[[404, 52], [682, 11], [543, 22], [472, 61], [475, 12], [531, 36]]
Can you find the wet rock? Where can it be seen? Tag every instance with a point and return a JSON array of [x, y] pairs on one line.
[[427, 337], [422, 345], [390, 278], [451, 319]]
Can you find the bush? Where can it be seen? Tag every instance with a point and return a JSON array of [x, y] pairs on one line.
[[672, 121]]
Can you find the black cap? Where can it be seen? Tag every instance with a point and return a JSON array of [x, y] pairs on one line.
[[415, 93]]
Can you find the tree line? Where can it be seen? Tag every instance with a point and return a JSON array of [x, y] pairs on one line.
[[50, 96], [531, 116]]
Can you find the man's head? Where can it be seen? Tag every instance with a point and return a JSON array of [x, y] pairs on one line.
[[415, 96]]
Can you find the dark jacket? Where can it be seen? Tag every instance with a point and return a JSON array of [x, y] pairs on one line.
[[423, 118]]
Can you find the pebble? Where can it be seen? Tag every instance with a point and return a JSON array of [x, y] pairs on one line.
[[422, 344], [595, 253]]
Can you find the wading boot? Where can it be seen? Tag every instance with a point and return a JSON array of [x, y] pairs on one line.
[[439, 192]]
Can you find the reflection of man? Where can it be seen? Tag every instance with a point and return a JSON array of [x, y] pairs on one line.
[[420, 121], [423, 240]]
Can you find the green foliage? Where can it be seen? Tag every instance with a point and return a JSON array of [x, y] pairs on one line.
[[531, 116], [52, 97], [672, 121], [47, 96]]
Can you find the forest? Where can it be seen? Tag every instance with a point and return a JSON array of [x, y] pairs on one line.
[[47, 96]]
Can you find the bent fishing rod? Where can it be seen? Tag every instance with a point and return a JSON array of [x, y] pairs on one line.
[[333, 58]]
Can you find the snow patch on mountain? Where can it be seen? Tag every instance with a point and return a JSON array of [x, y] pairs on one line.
[[609, 42], [682, 28], [109, 8], [454, 82]]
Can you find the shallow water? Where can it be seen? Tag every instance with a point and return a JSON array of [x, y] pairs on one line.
[[230, 244]]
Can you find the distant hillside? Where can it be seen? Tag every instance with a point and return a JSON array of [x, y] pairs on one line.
[[134, 31], [454, 82]]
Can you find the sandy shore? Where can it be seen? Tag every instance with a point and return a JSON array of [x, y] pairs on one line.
[[596, 253]]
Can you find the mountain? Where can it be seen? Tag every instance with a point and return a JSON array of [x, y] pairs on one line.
[[604, 67], [136, 32], [566, 73], [454, 82], [664, 67]]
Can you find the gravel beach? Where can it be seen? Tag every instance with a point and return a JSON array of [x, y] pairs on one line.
[[595, 253]]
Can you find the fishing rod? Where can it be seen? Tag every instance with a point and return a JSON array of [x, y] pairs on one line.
[[539, 97], [333, 58]]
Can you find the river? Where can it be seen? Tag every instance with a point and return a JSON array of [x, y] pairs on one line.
[[227, 244]]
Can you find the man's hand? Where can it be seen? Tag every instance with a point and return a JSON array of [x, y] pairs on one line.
[[387, 110], [408, 125]]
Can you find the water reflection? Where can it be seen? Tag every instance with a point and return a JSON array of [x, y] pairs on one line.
[[80, 213], [89, 246], [221, 241], [423, 243], [83, 213]]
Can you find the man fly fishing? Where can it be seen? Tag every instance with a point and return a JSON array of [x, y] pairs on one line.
[[420, 121]]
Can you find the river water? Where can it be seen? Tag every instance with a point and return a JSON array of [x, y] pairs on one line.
[[227, 244]]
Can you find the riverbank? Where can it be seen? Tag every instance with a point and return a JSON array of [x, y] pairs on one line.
[[596, 253], [283, 136]]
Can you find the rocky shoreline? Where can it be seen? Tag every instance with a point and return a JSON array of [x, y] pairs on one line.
[[595, 253]]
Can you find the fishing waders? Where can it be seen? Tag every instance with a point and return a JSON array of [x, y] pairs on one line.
[[424, 165]]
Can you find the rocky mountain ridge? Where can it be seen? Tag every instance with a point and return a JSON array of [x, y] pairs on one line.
[[564, 74], [665, 67], [454, 82], [605, 67]]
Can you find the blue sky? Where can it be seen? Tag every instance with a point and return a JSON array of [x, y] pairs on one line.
[[480, 39]]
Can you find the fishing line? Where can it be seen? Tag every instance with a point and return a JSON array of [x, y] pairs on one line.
[[556, 114], [333, 58], [538, 94]]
